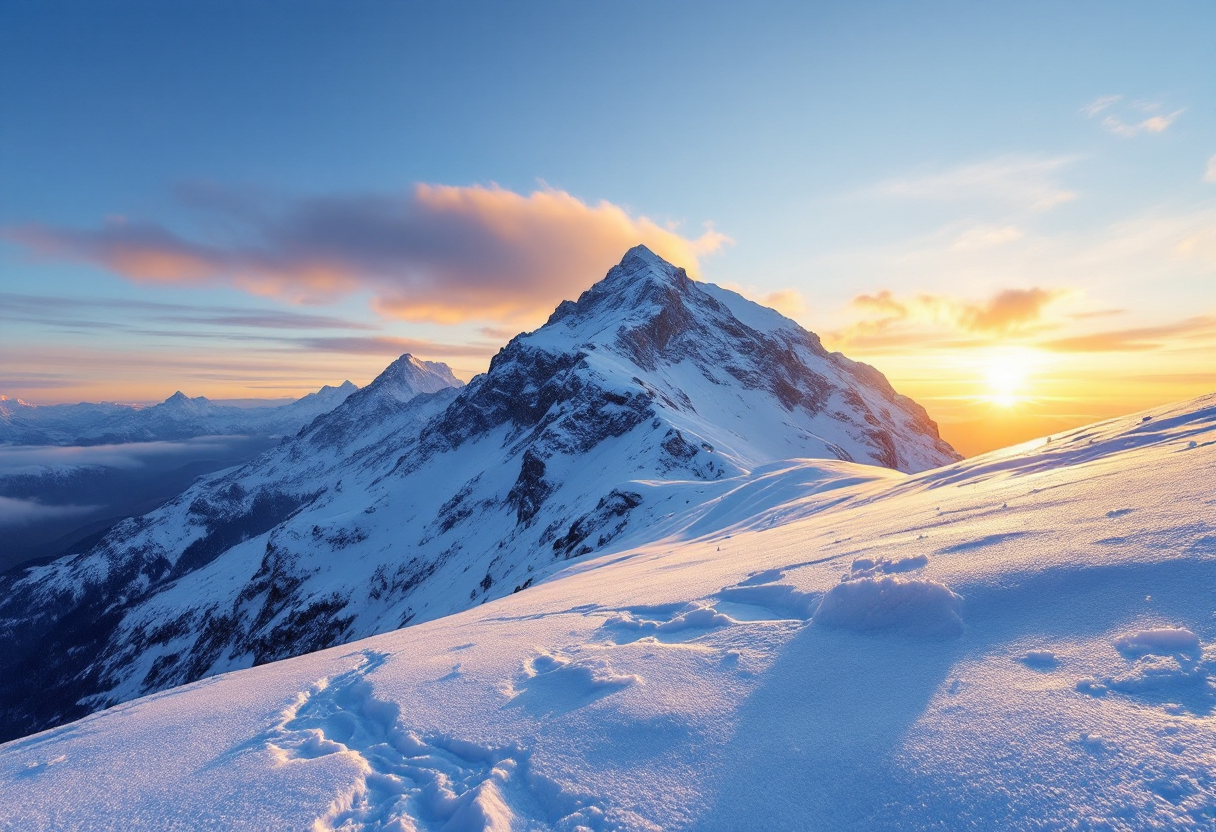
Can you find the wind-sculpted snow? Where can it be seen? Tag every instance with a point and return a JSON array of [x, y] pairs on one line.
[[653, 407], [704, 682]]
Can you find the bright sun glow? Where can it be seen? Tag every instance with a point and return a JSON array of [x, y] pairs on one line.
[[1007, 374]]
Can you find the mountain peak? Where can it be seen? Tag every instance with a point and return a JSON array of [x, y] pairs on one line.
[[641, 254], [641, 265], [639, 287], [180, 400], [408, 376]]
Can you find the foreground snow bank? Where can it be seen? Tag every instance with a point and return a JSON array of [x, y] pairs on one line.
[[889, 603], [768, 676]]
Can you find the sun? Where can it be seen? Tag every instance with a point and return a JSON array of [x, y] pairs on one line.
[[1007, 375]]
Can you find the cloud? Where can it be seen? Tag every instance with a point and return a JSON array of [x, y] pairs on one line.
[[498, 333], [73, 312], [1209, 175], [63, 459], [440, 253], [1024, 180], [1130, 118], [1101, 104], [788, 302], [986, 236], [1004, 312], [389, 346], [1136, 339], [928, 321], [20, 512]]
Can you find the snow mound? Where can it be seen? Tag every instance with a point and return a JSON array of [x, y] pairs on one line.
[[863, 567], [1165, 641], [558, 682], [1040, 660], [699, 617], [914, 606]]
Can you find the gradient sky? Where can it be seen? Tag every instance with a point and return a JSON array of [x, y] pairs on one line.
[[1011, 211]]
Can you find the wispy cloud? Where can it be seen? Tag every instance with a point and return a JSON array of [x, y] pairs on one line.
[[1131, 118], [1007, 311], [389, 346], [986, 236], [1101, 104], [97, 312], [15, 512], [929, 321], [439, 253], [1138, 338], [1026, 181], [788, 302], [1209, 175]]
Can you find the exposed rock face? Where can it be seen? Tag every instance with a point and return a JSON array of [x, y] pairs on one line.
[[414, 499]]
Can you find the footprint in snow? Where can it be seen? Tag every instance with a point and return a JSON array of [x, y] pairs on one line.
[[1166, 663], [409, 781]]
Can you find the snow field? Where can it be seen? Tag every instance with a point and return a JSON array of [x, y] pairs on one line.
[[1022, 641]]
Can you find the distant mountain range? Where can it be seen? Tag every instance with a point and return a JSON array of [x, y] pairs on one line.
[[177, 417], [631, 415]]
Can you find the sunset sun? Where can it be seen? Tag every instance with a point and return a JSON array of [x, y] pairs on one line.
[[1008, 376], [1006, 380]]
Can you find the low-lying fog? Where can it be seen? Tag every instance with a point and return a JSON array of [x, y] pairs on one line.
[[58, 500]]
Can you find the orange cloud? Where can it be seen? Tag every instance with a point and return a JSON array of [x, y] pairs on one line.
[[1004, 312], [440, 253]]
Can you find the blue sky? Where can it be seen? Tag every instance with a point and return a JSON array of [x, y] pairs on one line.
[[942, 153]]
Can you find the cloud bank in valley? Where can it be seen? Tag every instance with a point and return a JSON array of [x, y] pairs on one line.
[[439, 253], [16, 512]]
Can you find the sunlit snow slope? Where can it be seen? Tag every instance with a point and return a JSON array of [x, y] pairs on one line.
[[1025, 640]]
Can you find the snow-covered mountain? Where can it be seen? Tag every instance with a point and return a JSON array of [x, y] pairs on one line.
[[638, 412], [1021, 641], [177, 417]]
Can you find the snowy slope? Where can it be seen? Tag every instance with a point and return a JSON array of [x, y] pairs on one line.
[[56, 618], [177, 417], [1025, 640], [642, 406]]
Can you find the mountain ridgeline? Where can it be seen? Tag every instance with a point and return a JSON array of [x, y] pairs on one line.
[[614, 424], [177, 417]]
